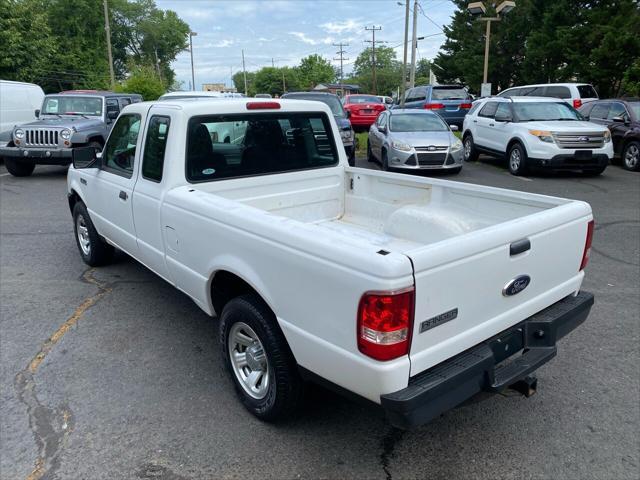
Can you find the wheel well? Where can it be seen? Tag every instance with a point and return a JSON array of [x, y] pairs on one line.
[[512, 142], [96, 138], [73, 199], [466, 134], [225, 286]]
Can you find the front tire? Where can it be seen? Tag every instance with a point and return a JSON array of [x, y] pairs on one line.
[[370, 157], [631, 156], [93, 249], [470, 152], [517, 160], [258, 359], [385, 161], [19, 169]]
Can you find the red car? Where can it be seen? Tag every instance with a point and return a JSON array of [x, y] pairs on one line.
[[363, 110]]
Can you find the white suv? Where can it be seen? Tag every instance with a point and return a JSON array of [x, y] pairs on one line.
[[535, 133], [575, 94]]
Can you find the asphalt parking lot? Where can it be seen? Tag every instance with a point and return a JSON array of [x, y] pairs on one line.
[[112, 373]]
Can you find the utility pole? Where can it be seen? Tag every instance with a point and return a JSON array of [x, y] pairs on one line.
[[284, 85], [341, 52], [414, 45], [107, 29], [273, 65], [193, 74], [373, 42], [403, 85], [244, 72]]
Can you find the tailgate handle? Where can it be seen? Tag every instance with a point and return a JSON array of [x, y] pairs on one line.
[[519, 247]]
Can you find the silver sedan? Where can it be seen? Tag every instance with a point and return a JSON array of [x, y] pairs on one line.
[[412, 139]]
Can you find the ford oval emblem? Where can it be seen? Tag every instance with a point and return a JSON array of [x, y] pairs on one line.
[[516, 285], [584, 139], [431, 148]]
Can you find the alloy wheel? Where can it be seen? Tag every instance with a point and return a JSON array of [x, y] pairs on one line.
[[83, 235], [632, 157], [248, 360]]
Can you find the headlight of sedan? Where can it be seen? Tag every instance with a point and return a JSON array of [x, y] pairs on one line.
[[543, 135], [65, 134], [18, 133], [607, 136], [403, 147], [456, 146]]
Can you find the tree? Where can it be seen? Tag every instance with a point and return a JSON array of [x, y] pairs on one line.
[[25, 36], [145, 81], [388, 70], [270, 80], [238, 82], [544, 41], [313, 70]]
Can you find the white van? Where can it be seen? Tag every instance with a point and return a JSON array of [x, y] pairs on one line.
[[575, 94], [18, 103]]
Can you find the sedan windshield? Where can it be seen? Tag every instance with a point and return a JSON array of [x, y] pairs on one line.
[[333, 103], [363, 99], [72, 105], [544, 111], [412, 122]]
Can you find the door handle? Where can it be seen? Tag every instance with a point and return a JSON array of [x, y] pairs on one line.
[[123, 195], [491, 124], [475, 121]]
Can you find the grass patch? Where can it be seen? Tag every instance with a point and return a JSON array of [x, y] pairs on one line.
[[361, 144]]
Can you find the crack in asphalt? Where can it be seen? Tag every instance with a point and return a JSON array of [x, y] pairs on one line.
[[389, 442], [51, 427]]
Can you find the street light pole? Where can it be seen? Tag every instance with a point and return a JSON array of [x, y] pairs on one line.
[[108, 31], [486, 49], [193, 75]]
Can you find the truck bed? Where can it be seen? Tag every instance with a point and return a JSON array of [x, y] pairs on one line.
[[393, 213]]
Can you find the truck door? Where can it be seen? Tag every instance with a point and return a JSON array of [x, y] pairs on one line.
[[111, 190], [147, 195]]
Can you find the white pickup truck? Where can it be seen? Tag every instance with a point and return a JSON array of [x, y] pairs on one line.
[[413, 293]]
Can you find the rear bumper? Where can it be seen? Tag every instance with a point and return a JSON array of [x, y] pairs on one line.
[[571, 162], [362, 121], [39, 156], [450, 383]]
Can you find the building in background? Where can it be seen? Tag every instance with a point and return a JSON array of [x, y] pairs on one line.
[[339, 89]]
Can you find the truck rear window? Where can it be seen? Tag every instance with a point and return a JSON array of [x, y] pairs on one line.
[[241, 145], [587, 91]]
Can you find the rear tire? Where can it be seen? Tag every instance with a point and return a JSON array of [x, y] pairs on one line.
[[94, 250], [517, 159], [19, 169], [258, 359], [631, 156], [470, 152]]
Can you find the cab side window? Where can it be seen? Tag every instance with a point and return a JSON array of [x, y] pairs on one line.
[[617, 110], [154, 148], [112, 106], [120, 151]]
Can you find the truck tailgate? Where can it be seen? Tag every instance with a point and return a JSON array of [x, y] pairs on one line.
[[459, 284]]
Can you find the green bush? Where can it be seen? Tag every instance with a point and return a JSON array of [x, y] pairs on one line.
[[145, 81]]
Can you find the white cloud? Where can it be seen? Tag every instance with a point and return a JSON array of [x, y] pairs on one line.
[[342, 27], [303, 38]]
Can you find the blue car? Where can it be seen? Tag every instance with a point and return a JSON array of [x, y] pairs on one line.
[[451, 102], [342, 118]]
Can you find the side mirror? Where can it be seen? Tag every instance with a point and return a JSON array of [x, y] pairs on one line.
[[382, 128], [454, 128], [618, 119], [112, 114], [37, 112], [86, 157], [503, 118]]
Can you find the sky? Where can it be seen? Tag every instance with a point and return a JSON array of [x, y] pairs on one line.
[[285, 31]]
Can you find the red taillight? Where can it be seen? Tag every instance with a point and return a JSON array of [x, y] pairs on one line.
[[577, 103], [385, 321], [263, 106], [434, 106], [587, 245], [380, 107], [465, 105]]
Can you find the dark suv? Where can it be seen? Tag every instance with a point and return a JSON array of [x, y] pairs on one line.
[[451, 102], [342, 118], [67, 120], [623, 119]]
